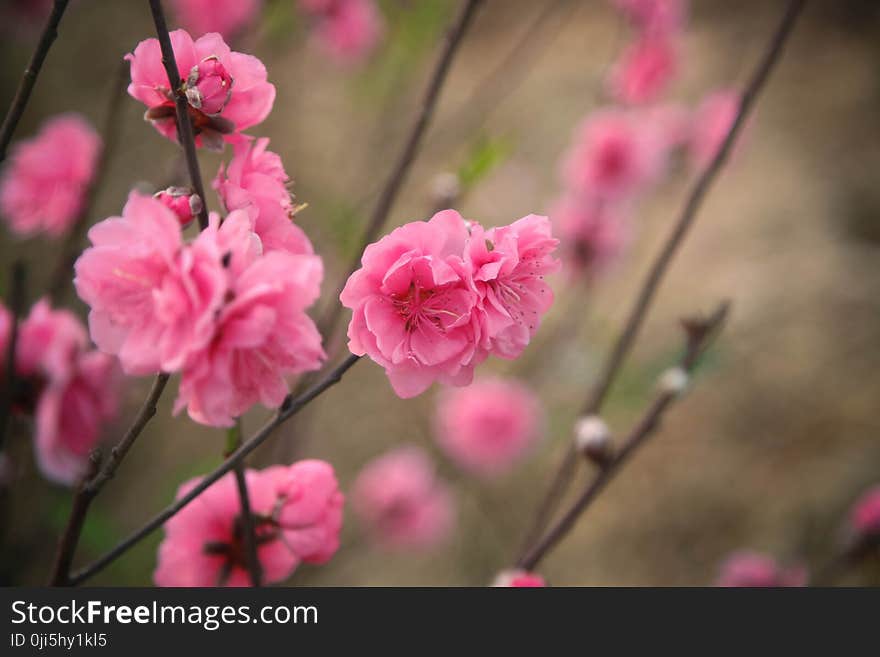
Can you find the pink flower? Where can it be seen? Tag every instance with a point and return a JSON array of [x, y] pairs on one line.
[[182, 202], [711, 122], [487, 426], [204, 66], [228, 17], [413, 304], [644, 71], [661, 17], [594, 234], [865, 514], [297, 512], [401, 503], [519, 579], [346, 29], [44, 186], [255, 178], [70, 390], [615, 156], [510, 264], [260, 335], [752, 569]]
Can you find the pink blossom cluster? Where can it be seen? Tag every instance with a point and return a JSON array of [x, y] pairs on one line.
[[227, 91], [225, 312], [297, 513], [756, 570], [434, 298], [486, 427], [621, 152], [348, 30], [68, 388], [228, 17], [519, 579], [401, 502], [44, 185], [864, 518]]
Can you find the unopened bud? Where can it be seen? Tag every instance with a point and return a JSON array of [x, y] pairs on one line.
[[445, 190], [182, 202], [209, 86], [593, 438], [674, 381]]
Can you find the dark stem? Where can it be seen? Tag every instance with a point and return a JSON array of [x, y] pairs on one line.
[[26, 86], [16, 301], [292, 406], [404, 162], [184, 125], [699, 335], [93, 484], [630, 330], [63, 273], [247, 518]]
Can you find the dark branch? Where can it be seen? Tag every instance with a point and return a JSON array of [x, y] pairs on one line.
[[16, 301], [247, 518], [26, 86]]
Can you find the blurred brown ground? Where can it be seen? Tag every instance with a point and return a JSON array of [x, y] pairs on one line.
[[780, 431]]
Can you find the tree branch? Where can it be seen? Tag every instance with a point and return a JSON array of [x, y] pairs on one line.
[[699, 335], [630, 330], [247, 518], [16, 301], [26, 86]]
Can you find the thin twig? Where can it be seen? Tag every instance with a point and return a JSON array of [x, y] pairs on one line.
[[247, 518], [63, 273], [699, 335], [16, 300], [93, 484], [405, 160], [184, 124], [654, 278], [291, 407], [26, 86]]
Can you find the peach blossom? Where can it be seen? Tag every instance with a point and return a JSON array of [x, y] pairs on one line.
[[594, 234], [644, 71], [228, 17], [756, 570]]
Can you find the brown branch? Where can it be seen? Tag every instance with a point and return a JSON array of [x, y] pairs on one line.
[[26, 86], [407, 156], [291, 407], [630, 330], [699, 335], [16, 301], [184, 125], [70, 249], [93, 484], [247, 518]]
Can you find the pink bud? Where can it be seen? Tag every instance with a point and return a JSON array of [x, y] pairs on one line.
[[209, 86], [182, 201], [519, 579], [865, 514]]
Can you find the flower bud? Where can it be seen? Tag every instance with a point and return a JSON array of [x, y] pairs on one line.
[[182, 202], [445, 190], [674, 381], [593, 438], [518, 579], [209, 86]]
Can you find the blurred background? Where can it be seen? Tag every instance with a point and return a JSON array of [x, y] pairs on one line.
[[778, 435]]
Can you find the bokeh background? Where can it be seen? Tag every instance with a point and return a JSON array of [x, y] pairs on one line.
[[780, 431]]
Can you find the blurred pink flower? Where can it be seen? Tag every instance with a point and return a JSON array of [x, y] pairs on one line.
[[487, 426], [228, 17], [519, 579], [659, 17], [71, 391], [615, 155], [203, 66], [348, 30], [182, 201], [260, 335], [44, 185], [865, 515], [401, 503], [644, 71], [510, 264], [255, 177], [710, 124], [594, 234], [204, 543], [752, 569], [413, 305]]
